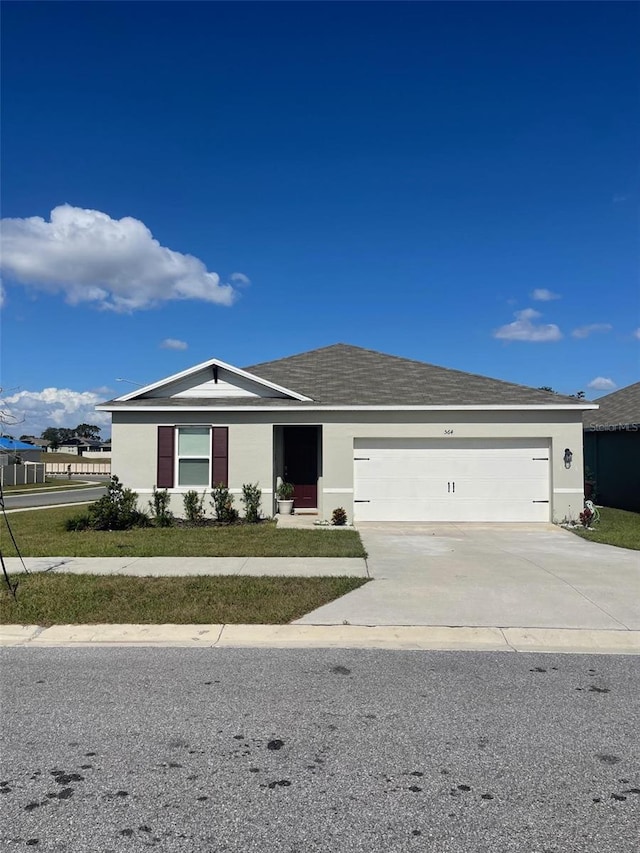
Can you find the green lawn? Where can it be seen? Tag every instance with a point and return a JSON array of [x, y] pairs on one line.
[[73, 457], [65, 599], [41, 534], [616, 527]]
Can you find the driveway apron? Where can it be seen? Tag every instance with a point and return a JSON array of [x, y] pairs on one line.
[[489, 575]]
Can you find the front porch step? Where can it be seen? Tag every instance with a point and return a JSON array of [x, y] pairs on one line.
[[297, 520]]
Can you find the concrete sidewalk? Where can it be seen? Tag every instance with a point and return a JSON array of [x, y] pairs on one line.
[[418, 638], [471, 587], [306, 567]]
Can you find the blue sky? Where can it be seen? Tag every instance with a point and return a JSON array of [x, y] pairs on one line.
[[450, 182]]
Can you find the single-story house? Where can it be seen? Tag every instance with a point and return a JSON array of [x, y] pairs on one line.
[[97, 448], [387, 438], [18, 451], [78, 445], [41, 443], [612, 449]]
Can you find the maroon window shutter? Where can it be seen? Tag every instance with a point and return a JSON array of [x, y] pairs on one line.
[[220, 456], [166, 451]]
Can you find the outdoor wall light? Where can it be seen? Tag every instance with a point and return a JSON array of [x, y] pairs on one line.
[[568, 456]]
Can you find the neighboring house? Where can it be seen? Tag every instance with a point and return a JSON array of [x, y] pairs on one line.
[[19, 450], [78, 446], [103, 448], [41, 443], [386, 438], [612, 448]]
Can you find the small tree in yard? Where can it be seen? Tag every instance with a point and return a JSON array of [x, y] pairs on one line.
[[117, 510], [251, 496], [194, 507], [159, 505], [222, 503]]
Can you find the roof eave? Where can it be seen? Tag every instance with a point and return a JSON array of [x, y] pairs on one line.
[[509, 407]]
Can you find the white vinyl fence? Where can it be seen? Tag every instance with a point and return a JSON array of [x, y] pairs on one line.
[[22, 475], [83, 468]]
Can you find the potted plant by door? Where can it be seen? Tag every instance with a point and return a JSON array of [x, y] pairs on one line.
[[284, 493]]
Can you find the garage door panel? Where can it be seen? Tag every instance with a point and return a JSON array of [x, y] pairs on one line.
[[411, 487], [465, 480], [418, 465], [484, 488], [420, 510]]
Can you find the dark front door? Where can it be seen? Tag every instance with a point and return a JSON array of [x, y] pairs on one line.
[[301, 465]]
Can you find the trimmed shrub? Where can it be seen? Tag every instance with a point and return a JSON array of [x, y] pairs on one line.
[[251, 497], [159, 505], [586, 516], [339, 517], [194, 507], [222, 503]]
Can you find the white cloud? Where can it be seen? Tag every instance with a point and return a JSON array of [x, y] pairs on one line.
[[31, 412], [541, 294], [592, 328], [114, 263], [601, 383], [524, 329], [240, 279], [636, 334], [173, 343]]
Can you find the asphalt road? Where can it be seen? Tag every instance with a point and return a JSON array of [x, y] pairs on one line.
[[53, 497], [294, 751]]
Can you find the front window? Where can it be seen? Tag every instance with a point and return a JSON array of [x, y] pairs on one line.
[[194, 456]]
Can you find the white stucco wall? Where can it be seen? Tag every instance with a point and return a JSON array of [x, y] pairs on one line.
[[251, 447], [565, 430], [134, 455]]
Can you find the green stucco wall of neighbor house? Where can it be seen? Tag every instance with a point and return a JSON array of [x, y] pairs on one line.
[[612, 459]]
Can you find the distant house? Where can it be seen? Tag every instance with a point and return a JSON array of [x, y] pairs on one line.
[[102, 448], [79, 445], [41, 443], [612, 448], [18, 451]]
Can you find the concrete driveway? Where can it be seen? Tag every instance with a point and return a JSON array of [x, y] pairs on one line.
[[489, 575]]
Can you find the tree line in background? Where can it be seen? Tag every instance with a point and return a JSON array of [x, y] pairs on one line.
[[61, 435], [580, 395]]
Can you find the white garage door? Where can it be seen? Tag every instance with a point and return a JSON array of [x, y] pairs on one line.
[[451, 480]]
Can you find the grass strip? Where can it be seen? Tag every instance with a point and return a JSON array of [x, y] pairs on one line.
[[49, 456], [616, 527], [48, 486], [66, 599], [41, 534]]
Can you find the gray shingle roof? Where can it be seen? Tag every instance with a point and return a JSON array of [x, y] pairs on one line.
[[346, 375], [621, 407]]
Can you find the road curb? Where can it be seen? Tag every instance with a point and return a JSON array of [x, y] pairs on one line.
[[401, 637]]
